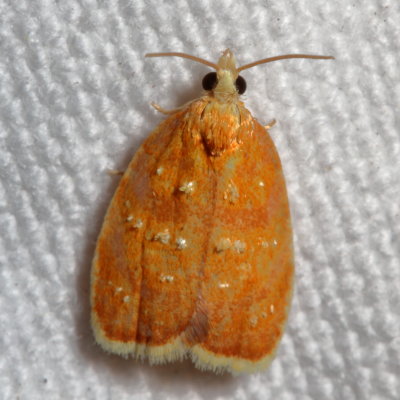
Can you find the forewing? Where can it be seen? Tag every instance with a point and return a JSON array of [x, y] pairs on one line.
[[144, 275], [247, 278]]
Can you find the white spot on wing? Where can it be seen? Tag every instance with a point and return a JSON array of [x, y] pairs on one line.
[[239, 246], [231, 193], [272, 308], [159, 171], [163, 237], [138, 224], [187, 187], [181, 243], [223, 244], [253, 320], [166, 278]]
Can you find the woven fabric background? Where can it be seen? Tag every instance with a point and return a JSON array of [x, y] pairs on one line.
[[74, 102]]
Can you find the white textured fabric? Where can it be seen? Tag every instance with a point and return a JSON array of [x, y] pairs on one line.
[[74, 102]]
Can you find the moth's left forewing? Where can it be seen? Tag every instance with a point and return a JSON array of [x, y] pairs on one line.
[[248, 275]]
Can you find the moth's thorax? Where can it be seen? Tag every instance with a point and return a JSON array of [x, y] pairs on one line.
[[221, 126]]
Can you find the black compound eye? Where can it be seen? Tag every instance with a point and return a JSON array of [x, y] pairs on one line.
[[240, 85], [210, 81]]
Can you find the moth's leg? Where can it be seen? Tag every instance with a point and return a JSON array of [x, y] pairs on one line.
[[168, 112], [113, 172], [163, 110], [270, 124]]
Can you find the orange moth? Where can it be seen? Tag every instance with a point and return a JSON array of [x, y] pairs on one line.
[[195, 255]]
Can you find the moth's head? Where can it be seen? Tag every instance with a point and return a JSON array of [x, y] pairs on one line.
[[225, 83]]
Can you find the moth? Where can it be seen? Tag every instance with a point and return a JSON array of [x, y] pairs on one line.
[[195, 256]]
